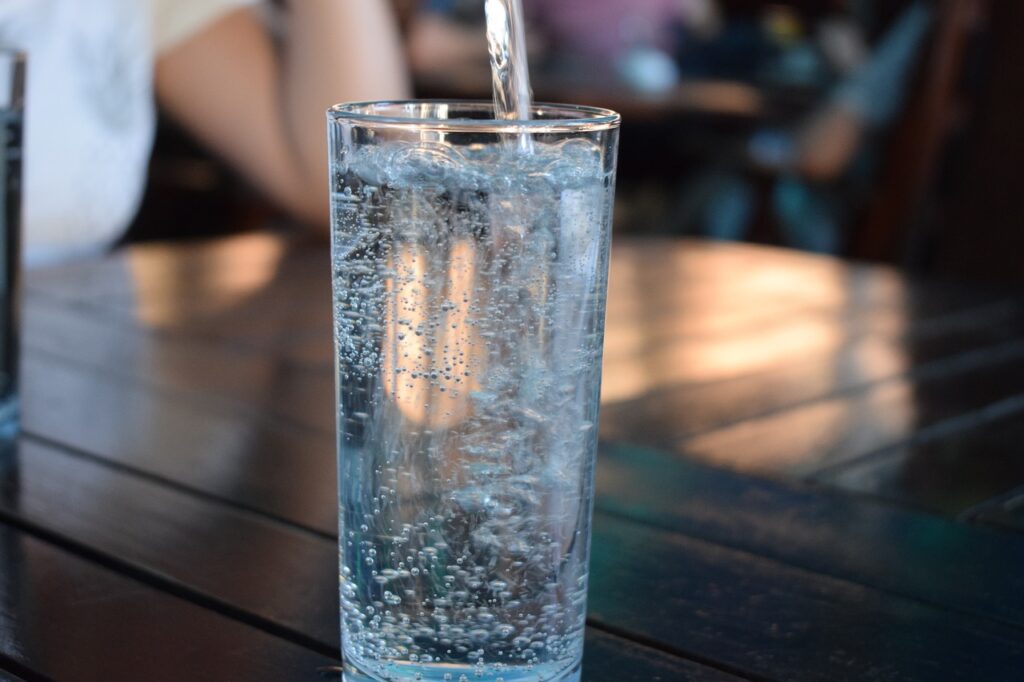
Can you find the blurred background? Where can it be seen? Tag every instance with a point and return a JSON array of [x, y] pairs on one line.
[[886, 130]]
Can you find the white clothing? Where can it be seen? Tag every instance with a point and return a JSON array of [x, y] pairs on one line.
[[89, 111]]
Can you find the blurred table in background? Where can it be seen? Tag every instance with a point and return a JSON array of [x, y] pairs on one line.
[[595, 87], [810, 470]]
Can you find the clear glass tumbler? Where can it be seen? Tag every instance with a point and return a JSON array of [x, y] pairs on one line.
[[470, 262], [12, 93]]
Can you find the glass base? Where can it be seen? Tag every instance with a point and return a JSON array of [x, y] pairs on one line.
[[439, 672]]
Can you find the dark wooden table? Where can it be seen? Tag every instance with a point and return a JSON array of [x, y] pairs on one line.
[[810, 471], [597, 87]]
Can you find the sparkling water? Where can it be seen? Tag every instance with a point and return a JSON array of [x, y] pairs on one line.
[[469, 288]]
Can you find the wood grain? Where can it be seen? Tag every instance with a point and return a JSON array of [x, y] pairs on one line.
[[68, 619], [662, 417], [807, 438], [769, 620], [925, 558], [946, 474], [284, 471], [1007, 513]]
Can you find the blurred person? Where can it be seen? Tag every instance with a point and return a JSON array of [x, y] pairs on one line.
[[836, 144], [637, 40], [825, 163], [868, 98], [448, 35], [255, 99], [605, 30]]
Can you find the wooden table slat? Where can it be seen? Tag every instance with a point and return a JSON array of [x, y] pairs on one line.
[[920, 556], [280, 575], [608, 658], [68, 619], [662, 418], [807, 438], [7, 674], [770, 620], [1006, 512], [935, 475], [1012, 518], [252, 462], [243, 380]]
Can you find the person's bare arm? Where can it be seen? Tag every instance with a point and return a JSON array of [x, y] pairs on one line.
[[263, 110], [438, 44]]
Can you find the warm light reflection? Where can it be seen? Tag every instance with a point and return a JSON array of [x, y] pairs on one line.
[[716, 359], [426, 361], [170, 288], [805, 438], [872, 357], [721, 97], [674, 275], [700, 313]]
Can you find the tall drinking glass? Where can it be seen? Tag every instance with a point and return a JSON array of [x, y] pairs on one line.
[[470, 262], [12, 91]]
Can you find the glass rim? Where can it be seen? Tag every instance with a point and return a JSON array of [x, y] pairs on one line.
[[587, 118]]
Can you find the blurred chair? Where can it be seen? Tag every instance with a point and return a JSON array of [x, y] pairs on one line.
[[973, 228], [934, 108], [854, 177], [805, 178]]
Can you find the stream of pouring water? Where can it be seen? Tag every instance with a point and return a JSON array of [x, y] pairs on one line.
[[510, 73]]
